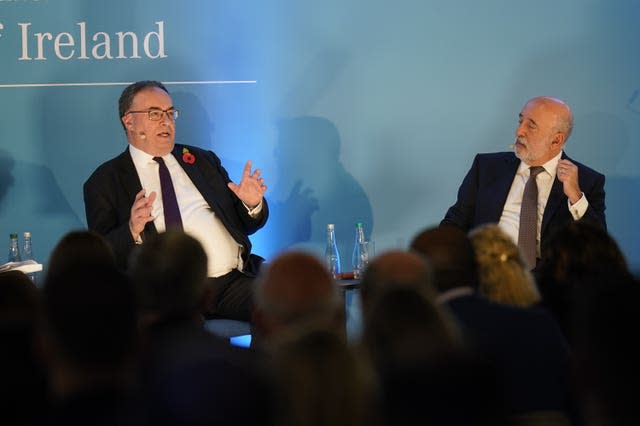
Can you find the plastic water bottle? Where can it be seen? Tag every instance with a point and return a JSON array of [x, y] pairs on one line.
[[356, 259], [27, 251], [331, 254], [14, 249]]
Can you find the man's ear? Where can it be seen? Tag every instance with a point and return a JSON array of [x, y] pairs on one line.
[[558, 139], [126, 120]]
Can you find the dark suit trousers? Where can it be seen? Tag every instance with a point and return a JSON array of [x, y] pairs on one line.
[[232, 296]]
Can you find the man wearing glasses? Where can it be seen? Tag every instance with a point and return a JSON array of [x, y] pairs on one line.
[[156, 184]]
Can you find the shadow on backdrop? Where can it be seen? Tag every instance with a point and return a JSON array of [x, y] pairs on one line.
[[607, 140], [6, 178], [314, 189], [622, 220], [195, 127], [31, 200]]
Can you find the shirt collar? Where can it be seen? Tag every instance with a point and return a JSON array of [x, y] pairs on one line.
[[140, 157], [454, 293], [550, 166]]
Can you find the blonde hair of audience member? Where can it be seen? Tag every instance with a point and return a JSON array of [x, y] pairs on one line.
[[319, 380], [295, 288], [502, 276]]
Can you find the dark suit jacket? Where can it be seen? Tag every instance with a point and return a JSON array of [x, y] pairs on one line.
[[525, 346], [111, 189], [192, 377], [484, 190]]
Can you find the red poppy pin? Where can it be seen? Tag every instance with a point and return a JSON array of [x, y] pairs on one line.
[[188, 157]]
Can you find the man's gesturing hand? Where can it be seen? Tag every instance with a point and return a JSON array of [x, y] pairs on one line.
[[568, 175], [141, 213], [251, 188]]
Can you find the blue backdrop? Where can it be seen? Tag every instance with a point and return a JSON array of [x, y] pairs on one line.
[[354, 110]]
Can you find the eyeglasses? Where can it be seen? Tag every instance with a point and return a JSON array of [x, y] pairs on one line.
[[156, 114]]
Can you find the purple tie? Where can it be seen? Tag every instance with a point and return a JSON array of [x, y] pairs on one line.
[[172, 217], [528, 231]]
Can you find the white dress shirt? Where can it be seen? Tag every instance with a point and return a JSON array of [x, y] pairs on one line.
[[510, 219], [199, 221]]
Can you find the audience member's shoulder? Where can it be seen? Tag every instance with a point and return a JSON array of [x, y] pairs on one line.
[[542, 316], [531, 321], [183, 341], [18, 295], [511, 315], [535, 313]]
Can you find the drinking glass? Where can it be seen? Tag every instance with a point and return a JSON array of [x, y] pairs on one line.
[[367, 252]]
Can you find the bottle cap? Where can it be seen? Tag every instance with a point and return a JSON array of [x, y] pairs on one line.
[[359, 225], [27, 234], [13, 235], [330, 226]]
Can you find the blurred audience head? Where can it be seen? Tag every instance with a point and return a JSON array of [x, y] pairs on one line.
[[451, 256], [80, 247], [404, 329], [605, 353], [19, 297], [458, 391], [579, 260], [580, 250], [89, 325], [22, 375], [586, 285], [319, 379], [169, 273], [295, 288], [396, 269], [502, 275]]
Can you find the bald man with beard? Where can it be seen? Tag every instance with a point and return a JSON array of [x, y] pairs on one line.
[[492, 191]]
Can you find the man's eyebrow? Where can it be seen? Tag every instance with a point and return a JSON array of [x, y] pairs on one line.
[[160, 109], [530, 119]]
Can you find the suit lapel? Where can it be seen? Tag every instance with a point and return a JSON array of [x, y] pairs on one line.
[[127, 172], [498, 189], [131, 181], [199, 180], [555, 200]]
